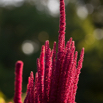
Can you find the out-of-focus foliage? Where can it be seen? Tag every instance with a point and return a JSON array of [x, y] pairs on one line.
[[2, 98], [25, 28]]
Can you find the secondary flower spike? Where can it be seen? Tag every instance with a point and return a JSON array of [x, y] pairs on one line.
[[57, 73], [18, 81]]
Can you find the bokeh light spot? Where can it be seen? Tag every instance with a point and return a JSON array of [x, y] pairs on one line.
[[90, 8], [29, 47], [98, 33], [16, 3], [53, 6], [82, 12]]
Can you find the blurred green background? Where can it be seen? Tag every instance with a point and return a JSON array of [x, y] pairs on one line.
[[24, 27]]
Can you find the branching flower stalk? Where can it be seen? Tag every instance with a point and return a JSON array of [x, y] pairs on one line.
[[56, 79]]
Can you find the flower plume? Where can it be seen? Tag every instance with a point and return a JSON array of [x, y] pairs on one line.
[[57, 73], [18, 81]]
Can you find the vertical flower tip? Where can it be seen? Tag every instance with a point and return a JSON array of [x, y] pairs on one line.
[[82, 54], [18, 82], [19, 62], [19, 65], [46, 43], [62, 24], [31, 74], [73, 44], [83, 50], [70, 39]]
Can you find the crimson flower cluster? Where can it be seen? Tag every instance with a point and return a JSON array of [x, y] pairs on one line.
[[57, 74]]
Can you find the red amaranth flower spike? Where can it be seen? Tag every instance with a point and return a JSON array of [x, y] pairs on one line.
[[60, 55], [76, 78], [48, 71], [61, 42], [27, 98], [40, 63], [31, 87], [36, 97], [56, 79], [18, 82]]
